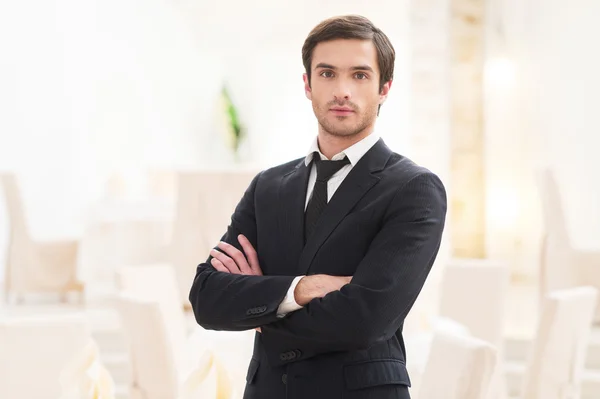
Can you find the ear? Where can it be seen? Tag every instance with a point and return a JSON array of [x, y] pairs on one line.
[[384, 91], [307, 89]]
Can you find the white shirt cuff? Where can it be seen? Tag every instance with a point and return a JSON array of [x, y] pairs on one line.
[[289, 304]]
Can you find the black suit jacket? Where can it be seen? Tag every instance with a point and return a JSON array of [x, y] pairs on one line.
[[383, 226]]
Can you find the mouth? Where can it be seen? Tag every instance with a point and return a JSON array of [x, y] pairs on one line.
[[341, 111]]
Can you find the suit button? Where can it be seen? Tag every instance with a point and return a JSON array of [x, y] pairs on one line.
[[284, 379], [292, 355], [283, 357], [297, 353]]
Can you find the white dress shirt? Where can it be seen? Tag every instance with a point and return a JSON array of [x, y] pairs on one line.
[[354, 154]]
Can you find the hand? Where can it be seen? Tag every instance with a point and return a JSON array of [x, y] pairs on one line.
[[258, 329], [234, 261], [317, 286]]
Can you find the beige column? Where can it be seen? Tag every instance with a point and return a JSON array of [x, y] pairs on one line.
[[429, 93], [467, 199], [430, 123], [429, 111]]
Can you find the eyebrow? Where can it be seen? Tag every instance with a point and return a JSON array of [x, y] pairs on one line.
[[354, 68]]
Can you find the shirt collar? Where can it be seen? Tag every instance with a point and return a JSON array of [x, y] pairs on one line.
[[354, 152]]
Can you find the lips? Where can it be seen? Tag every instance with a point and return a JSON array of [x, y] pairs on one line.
[[341, 111]]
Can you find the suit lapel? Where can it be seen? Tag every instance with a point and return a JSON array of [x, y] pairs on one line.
[[292, 197], [358, 182]]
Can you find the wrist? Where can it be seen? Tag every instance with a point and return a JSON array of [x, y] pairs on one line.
[[303, 292]]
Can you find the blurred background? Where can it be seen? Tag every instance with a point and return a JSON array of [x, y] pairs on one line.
[[119, 155]]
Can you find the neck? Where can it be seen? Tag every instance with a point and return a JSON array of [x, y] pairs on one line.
[[330, 144]]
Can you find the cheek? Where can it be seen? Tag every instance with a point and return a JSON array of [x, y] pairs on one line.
[[319, 98], [372, 98], [372, 92]]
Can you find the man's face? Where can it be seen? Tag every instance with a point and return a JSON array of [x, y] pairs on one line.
[[344, 86]]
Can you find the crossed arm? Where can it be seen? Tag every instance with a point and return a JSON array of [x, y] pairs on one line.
[[232, 260], [370, 308], [234, 295]]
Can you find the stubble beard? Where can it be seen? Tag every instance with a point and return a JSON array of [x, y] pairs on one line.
[[365, 120]]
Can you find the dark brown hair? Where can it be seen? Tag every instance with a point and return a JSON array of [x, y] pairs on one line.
[[352, 27]]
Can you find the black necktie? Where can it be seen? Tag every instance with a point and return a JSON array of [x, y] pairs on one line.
[[318, 201]]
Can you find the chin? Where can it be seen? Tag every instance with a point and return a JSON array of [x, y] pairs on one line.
[[341, 128], [343, 132]]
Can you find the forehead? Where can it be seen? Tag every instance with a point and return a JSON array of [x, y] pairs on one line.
[[345, 53]]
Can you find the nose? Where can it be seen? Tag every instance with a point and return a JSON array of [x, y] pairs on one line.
[[341, 92]]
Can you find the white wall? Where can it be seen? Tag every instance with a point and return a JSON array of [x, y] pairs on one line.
[[93, 87], [547, 116], [567, 91]]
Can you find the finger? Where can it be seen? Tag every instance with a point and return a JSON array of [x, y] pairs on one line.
[[218, 265], [226, 261], [258, 329], [237, 256], [250, 254]]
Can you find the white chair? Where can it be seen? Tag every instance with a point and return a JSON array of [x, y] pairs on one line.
[[459, 367], [34, 350], [153, 355], [418, 346], [158, 283], [205, 202], [156, 370], [474, 293], [557, 359], [562, 265], [34, 266]]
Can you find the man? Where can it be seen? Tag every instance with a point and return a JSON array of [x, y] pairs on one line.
[[325, 255]]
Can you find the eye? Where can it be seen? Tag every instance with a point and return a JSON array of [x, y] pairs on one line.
[[327, 74], [361, 76]]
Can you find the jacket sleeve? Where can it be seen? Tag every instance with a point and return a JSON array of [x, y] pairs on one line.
[[383, 289], [223, 301]]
